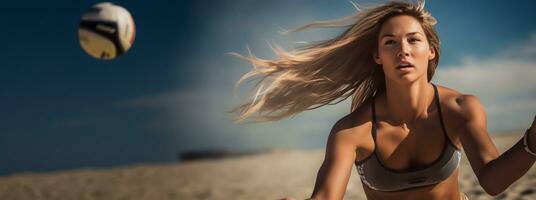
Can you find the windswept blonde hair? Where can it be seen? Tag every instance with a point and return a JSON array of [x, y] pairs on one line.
[[330, 71]]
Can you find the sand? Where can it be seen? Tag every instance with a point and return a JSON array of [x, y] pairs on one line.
[[270, 175]]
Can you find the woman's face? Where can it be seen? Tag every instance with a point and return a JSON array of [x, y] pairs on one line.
[[403, 49]]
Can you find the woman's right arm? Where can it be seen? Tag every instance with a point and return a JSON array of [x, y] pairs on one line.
[[335, 171]]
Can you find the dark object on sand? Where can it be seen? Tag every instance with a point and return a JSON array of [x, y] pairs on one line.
[[211, 154]]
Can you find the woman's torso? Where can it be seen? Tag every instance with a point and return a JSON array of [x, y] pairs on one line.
[[419, 145]]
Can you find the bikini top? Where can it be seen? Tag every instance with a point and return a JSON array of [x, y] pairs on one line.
[[377, 176]]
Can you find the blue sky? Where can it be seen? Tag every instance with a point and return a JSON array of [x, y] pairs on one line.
[[62, 109]]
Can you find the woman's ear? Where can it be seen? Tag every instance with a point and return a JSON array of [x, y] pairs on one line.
[[377, 58], [432, 55]]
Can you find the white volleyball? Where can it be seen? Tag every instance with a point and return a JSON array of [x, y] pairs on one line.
[[106, 31]]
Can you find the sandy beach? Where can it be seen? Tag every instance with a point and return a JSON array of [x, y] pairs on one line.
[[269, 175]]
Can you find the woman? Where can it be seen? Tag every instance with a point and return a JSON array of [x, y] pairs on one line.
[[404, 133]]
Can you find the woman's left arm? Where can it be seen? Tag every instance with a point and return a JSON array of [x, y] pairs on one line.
[[495, 172]]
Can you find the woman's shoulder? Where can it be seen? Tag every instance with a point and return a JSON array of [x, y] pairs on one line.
[[462, 106], [356, 123]]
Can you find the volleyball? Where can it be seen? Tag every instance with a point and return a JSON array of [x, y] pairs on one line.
[[106, 31]]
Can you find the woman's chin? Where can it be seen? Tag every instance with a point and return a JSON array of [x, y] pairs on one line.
[[404, 78]]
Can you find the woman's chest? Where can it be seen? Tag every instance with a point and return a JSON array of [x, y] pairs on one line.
[[413, 146]]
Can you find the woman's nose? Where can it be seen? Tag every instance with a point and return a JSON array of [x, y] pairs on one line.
[[404, 50]]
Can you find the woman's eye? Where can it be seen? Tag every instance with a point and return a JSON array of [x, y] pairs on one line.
[[413, 40], [389, 42]]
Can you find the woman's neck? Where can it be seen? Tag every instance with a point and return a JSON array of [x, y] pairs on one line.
[[407, 103]]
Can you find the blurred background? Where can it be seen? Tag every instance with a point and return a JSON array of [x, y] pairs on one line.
[[61, 109]]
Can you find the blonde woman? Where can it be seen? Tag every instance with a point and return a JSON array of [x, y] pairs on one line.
[[404, 133]]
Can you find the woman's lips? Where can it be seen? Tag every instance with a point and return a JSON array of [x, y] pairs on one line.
[[405, 68]]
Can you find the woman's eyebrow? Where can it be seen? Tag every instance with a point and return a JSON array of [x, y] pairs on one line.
[[392, 35], [387, 35], [414, 33]]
